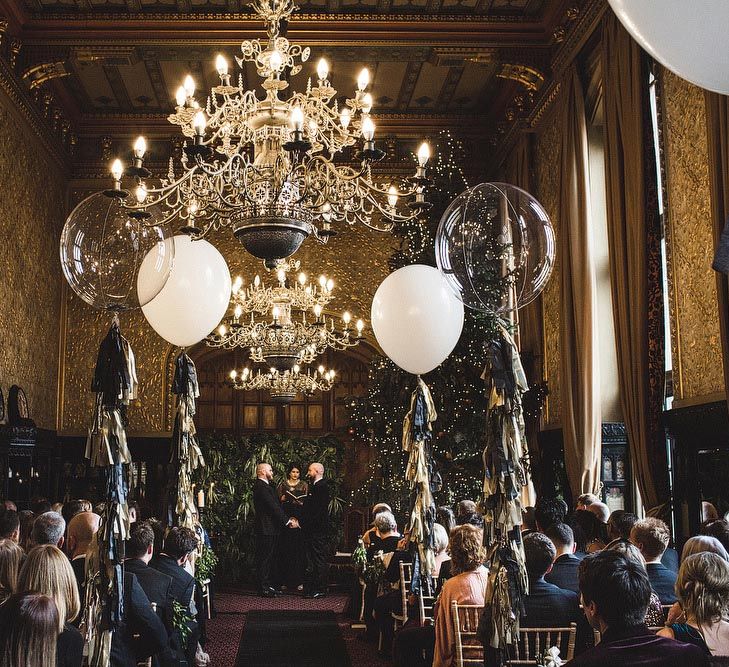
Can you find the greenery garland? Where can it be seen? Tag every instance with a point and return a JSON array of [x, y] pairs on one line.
[[228, 480]]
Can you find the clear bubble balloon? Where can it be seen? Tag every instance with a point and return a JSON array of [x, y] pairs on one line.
[[495, 246], [102, 249]]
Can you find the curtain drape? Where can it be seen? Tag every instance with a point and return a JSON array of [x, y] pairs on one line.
[[717, 125], [635, 269], [581, 417]]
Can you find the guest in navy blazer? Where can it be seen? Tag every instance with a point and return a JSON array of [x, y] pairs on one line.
[[615, 593], [651, 536], [564, 570], [546, 605]]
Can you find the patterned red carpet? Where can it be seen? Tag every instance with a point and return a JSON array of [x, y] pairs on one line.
[[232, 605]]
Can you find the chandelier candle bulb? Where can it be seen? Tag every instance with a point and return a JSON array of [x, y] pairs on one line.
[[346, 318], [140, 148], [297, 118], [140, 193], [275, 61], [302, 279], [392, 196], [330, 285], [345, 118], [367, 103], [360, 327], [117, 169], [423, 154], [189, 86], [322, 70], [363, 80], [181, 96], [221, 65], [233, 375], [199, 122], [368, 129]]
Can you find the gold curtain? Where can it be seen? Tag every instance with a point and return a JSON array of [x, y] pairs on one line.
[[630, 238], [581, 417], [717, 125]]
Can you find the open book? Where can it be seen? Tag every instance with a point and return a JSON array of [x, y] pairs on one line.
[[290, 495]]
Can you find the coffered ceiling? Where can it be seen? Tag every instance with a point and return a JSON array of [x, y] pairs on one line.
[[103, 71]]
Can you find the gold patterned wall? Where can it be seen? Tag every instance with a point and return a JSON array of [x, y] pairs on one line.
[[695, 325], [547, 159], [32, 201], [356, 259]]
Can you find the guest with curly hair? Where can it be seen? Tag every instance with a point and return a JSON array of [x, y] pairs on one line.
[[466, 586]]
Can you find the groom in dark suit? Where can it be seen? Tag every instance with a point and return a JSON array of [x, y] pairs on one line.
[[270, 521], [315, 522]]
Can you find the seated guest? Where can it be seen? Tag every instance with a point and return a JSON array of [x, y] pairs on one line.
[[371, 532], [708, 511], [651, 536], [74, 507], [615, 593], [528, 522], [157, 586], [702, 588], [718, 529], [48, 528], [590, 534], [27, 519], [81, 531], [9, 526], [179, 545], [549, 511], [546, 605], [654, 614], [57, 507], [445, 517], [585, 500], [467, 513], [600, 510], [9, 505], [620, 524], [564, 570], [467, 585], [386, 537], [28, 631], [40, 506], [413, 646], [701, 544], [46, 570], [11, 558]]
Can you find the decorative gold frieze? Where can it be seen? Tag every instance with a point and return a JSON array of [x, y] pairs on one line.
[[547, 156], [529, 77], [695, 338]]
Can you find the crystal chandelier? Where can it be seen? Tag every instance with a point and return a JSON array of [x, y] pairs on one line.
[[265, 169], [283, 386], [297, 332]]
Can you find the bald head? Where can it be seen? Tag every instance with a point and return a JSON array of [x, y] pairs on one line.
[[264, 472], [81, 530], [315, 472]]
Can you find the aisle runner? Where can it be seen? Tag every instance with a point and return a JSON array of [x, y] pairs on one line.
[[285, 638]]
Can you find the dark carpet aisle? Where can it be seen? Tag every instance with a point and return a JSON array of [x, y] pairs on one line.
[[225, 631]]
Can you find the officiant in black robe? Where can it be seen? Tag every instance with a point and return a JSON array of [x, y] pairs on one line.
[[291, 493]]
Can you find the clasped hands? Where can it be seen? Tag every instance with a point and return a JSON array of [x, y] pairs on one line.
[[293, 522]]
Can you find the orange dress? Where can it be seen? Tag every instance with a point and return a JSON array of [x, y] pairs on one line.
[[464, 588]]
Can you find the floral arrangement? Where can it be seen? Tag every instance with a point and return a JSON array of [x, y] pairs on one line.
[[205, 565]]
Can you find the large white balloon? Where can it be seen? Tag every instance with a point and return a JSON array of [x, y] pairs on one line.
[[686, 36], [195, 297], [416, 317]]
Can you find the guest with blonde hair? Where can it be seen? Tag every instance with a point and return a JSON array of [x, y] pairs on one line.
[[47, 570], [28, 631], [466, 586], [11, 557], [702, 588]]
